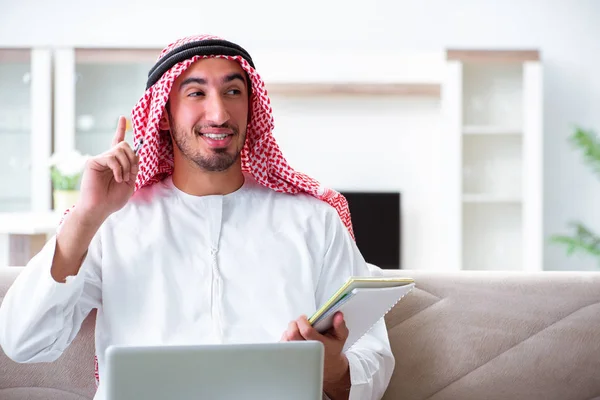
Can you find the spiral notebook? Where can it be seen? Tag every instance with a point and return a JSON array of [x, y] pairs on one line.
[[363, 301]]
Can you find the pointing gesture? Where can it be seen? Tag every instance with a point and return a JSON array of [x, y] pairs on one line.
[[109, 178], [120, 133]]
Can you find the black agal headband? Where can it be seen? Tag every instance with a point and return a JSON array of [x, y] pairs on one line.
[[209, 47]]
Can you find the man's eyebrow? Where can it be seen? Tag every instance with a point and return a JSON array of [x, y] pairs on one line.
[[234, 76], [190, 80], [202, 81]]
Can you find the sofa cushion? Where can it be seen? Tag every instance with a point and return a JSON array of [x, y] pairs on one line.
[[472, 335], [457, 335], [38, 393], [69, 377]]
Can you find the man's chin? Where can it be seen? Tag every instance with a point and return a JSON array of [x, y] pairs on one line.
[[217, 162]]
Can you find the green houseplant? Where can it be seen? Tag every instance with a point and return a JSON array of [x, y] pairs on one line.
[[66, 169], [583, 240]]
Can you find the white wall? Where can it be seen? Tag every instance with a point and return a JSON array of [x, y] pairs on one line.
[[565, 31], [377, 144]]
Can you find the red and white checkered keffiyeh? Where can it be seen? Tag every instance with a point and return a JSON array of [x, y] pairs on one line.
[[261, 156]]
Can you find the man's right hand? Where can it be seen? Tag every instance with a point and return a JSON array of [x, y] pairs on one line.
[[107, 184], [108, 180]]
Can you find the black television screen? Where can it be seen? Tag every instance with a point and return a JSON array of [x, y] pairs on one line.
[[376, 223]]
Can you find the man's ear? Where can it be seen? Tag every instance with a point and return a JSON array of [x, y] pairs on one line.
[[164, 124]]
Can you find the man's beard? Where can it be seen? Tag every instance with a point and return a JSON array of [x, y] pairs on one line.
[[217, 160]]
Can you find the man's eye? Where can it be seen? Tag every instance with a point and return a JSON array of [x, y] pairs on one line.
[[195, 94], [234, 91]]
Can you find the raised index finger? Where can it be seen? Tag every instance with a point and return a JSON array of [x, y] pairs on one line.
[[120, 133]]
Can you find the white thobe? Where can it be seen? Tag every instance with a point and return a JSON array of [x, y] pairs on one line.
[[172, 268]]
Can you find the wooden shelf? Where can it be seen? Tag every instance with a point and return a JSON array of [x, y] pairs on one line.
[[490, 130], [492, 56], [15, 55], [354, 89], [475, 198], [116, 56]]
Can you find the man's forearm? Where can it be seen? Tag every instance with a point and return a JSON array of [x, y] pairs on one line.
[[340, 389], [72, 244]]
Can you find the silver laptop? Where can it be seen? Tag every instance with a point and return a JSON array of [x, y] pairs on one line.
[[268, 371]]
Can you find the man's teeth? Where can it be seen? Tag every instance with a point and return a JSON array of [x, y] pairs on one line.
[[215, 136]]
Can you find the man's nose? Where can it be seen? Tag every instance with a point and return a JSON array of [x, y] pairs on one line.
[[216, 111]]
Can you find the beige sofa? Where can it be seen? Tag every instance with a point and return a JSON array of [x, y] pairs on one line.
[[467, 335]]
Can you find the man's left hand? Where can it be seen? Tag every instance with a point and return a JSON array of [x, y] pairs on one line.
[[336, 369]]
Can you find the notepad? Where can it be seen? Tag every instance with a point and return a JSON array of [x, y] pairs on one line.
[[363, 301]]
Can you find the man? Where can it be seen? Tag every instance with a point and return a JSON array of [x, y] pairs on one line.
[[205, 236]]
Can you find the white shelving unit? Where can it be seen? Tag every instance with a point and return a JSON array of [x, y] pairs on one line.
[[25, 130], [492, 210], [96, 86], [25, 146], [86, 89], [490, 196]]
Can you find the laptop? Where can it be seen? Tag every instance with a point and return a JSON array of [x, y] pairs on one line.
[[266, 371]]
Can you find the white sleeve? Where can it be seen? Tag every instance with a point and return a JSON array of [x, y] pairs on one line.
[[371, 359], [40, 317]]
